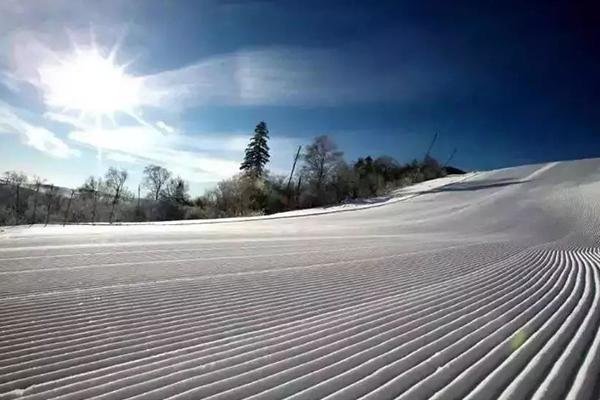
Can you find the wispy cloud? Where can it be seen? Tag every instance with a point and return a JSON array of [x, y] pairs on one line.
[[293, 76], [279, 76], [32, 135], [163, 126]]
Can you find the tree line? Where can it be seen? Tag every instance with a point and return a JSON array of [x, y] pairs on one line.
[[320, 176]]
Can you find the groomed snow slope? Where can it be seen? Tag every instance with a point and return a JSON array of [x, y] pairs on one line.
[[482, 289]]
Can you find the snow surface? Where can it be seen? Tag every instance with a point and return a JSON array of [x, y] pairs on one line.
[[482, 286]]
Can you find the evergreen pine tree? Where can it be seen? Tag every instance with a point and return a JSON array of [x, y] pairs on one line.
[[257, 152]]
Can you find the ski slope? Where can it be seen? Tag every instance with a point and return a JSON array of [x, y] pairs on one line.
[[484, 287]]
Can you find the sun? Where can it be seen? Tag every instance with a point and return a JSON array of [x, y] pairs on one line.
[[90, 83]]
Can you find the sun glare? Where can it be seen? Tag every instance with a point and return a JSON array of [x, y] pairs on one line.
[[91, 84]]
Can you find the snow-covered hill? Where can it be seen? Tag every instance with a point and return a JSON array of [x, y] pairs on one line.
[[482, 287]]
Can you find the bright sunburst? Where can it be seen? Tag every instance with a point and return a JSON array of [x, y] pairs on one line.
[[91, 84]]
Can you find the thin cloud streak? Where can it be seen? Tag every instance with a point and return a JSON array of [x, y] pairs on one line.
[[289, 76], [34, 136], [267, 76], [256, 77]]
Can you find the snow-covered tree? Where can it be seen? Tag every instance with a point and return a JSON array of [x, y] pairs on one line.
[[320, 158], [155, 179], [115, 182]]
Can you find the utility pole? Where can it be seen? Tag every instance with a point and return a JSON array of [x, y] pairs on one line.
[[293, 168], [431, 145], [298, 190], [450, 158]]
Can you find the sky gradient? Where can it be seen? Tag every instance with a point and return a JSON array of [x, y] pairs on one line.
[[505, 83]]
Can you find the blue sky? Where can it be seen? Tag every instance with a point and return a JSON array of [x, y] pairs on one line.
[[505, 83]]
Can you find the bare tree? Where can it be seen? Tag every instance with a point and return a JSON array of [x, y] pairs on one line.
[[115, 181], [177, 190], [16, 179], [155, 179], [91, 190], [320, 158]]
